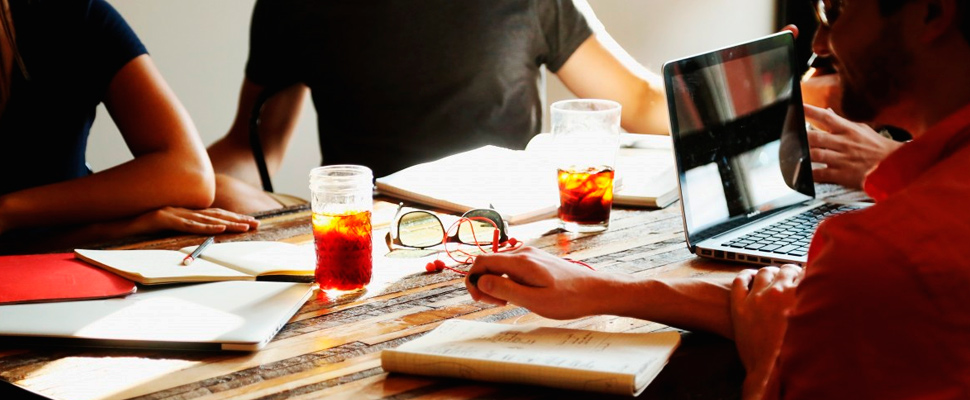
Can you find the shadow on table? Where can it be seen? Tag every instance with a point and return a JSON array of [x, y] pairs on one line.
[[704, 367], [11, 391]]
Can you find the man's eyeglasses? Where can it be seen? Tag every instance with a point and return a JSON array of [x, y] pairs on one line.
[[827, 11], [422, 229]]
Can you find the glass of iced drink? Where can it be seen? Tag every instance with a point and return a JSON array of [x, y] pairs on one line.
[[586, 135], [341, 201]]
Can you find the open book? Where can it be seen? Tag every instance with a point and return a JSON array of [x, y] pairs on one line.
[[521, 184], [617, 363], [219, 262]]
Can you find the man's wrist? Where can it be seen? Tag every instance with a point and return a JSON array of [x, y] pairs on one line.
[[614, 291]]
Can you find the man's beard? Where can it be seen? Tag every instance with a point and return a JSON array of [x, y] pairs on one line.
[[874, 83]]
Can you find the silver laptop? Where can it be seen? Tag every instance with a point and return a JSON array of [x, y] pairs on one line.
[[235, 315], [742, 156]]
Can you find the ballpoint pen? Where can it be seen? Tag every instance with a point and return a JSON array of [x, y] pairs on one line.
[[198, 251], [817, 66]]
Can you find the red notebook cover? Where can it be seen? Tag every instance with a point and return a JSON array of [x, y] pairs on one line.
[[56, 277]]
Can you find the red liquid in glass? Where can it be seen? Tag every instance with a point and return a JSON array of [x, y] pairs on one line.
[[585, 196], [343, 244]]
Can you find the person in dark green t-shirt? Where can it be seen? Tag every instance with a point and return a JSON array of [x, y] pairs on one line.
[[400, 83]]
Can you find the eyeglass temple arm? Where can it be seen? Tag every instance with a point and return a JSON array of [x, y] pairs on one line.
[[505, 224], [388, 241], [391, 234]]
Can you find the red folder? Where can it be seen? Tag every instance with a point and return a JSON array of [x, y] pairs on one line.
[[56, 277]]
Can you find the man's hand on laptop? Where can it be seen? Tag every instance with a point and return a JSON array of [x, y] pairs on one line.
[[760, 302], [848, 149]]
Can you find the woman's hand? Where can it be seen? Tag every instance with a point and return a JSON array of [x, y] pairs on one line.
[[208, 221]]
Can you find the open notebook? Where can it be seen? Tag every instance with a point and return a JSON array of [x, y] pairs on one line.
[[219, 262], [617, 363], [521, 184]]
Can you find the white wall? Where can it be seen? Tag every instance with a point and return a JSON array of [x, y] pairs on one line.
[[200, 46], [656, 31]]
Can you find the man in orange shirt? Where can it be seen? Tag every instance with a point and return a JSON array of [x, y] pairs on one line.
[[882, 309]]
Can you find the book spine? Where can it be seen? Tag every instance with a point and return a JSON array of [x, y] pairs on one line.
[[505, 372]]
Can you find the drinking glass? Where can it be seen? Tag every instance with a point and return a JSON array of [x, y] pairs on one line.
[[586, 136], [342, 201]]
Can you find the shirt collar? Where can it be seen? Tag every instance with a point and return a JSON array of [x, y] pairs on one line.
[[903, 166]]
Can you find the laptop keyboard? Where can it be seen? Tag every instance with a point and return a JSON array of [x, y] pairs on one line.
[[790, 236]]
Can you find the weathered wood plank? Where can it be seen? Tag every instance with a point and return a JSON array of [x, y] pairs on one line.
[[331, 347]]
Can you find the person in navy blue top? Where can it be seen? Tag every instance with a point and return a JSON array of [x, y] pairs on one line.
[[60, 59]]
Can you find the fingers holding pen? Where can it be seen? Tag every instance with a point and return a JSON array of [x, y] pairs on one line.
[[545, 284], [502, 277]]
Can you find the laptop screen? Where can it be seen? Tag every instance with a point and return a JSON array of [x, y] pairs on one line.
[[738, 132]]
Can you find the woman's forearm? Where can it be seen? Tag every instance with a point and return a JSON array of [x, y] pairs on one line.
[[140, 185]]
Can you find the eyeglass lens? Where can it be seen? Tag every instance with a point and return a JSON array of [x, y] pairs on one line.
[[422, 229], [828, 11], [481, 231]]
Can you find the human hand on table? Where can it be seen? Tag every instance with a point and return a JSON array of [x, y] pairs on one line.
[[208, 221], [760, 303], [849, 149], [545, 284]]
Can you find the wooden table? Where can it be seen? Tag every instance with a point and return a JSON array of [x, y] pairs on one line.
[[331, 348]]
